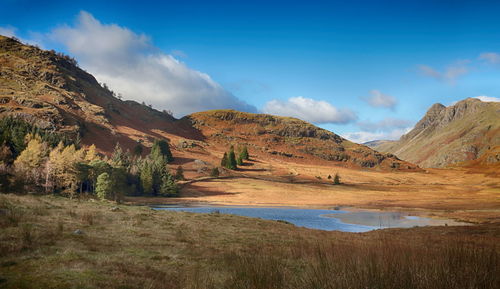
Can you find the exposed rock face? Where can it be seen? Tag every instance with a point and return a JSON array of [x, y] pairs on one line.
[[465, 131]]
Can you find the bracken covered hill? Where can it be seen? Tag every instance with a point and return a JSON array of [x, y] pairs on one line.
[[290, 138], [466, 133], [49, 90]]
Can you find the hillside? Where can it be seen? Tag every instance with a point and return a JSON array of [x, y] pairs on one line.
[[466, 133], [51, 91]]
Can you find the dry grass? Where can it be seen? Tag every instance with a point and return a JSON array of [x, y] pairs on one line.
[[136, 247]]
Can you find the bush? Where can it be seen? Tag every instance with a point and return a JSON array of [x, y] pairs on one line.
[[336, 179], [214, 172]]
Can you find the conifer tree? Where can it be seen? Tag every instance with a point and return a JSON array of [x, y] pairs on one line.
[[214, 172], [231, 159], [224, 161], [146, 177], [244, 153], [30, 163], [239, 160], [179, 173], [138, 149], [91, 154], [161, 148], [336, 179], [104, 186]]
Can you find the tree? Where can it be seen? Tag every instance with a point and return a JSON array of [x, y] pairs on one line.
[[91, 154], [179, 174], [224, 161], [161, 148], [29, 164], [232, 165], [96, 168], [336, 179], [168, 186], [138, 149], [214, 172], [146, 178], [244, 153], [239, 161], [119, 158], [104, 186]]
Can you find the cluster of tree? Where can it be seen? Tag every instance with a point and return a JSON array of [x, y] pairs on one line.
[[68, 169], [13, 132], [230, 161]]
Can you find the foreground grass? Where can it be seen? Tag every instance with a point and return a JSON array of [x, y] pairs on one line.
[[136, 247]]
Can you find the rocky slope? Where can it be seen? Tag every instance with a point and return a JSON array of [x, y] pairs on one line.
[[464, 133], [50, 90]]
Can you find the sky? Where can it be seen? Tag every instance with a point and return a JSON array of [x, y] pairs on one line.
[[366, 70]]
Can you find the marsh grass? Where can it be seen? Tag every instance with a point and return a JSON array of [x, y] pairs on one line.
[[140, 248]]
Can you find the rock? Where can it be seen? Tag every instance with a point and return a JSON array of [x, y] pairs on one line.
[[78, 232]]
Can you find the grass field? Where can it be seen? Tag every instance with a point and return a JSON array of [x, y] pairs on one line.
[[136, 247]]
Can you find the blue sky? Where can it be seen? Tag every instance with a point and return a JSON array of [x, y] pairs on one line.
[[363, 69]]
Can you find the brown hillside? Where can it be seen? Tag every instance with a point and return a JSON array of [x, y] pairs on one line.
[[466, 133], [50, 90]]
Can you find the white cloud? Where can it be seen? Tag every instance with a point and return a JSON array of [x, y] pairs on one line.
[[308, 109], [450, 74], [487, 98], [8, 31], [379, 99], [365, 136], [385, 124], [490, 57], [130, 65]]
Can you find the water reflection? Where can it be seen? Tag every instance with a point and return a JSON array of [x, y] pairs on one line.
[[345, 220]]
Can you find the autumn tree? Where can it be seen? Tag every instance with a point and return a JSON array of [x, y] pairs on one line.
[[30, 163]]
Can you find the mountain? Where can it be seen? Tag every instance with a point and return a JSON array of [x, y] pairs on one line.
[[49, 90], [464, 133]]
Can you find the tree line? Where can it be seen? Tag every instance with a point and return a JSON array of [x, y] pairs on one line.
[[29, 161]]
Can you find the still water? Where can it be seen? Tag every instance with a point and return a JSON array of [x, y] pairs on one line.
[[346, 220]]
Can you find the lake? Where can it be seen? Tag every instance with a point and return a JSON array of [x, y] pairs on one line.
[[346, 220]]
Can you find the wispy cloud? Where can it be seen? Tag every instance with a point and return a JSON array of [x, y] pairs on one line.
[[379, 99], [490, 57], [308, 109], [131, 65], [450, 74]]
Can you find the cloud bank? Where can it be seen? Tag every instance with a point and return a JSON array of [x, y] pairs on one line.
[[308, 109], [379, 99], [130, 65]]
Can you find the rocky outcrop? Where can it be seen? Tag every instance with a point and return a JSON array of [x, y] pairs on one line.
[[450, 135]]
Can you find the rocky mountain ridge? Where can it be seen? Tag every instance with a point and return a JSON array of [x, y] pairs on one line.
[[468, 130]]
